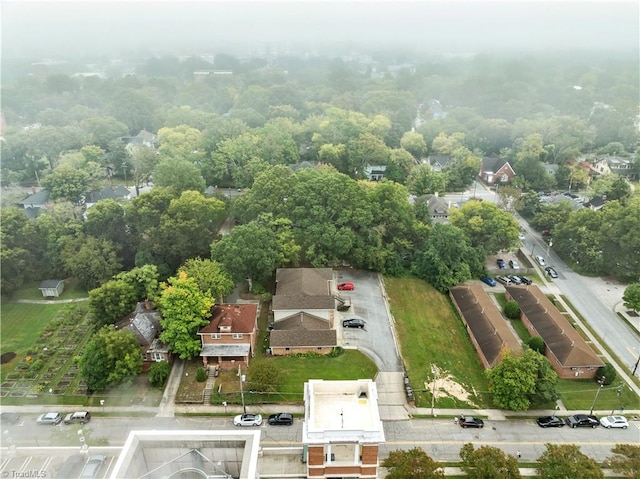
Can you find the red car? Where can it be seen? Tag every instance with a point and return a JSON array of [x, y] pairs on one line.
[[346, 287]]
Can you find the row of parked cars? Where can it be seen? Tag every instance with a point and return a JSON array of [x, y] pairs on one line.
[[584, 420], [55, 418], [279, 419]]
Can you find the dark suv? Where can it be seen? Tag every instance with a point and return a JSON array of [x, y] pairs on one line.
[[78, 417], [281, 419], [582, 420]]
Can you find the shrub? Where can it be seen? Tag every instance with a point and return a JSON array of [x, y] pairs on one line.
[[337, 351], [536, 343], [609, 373], [158, 373], [512, 310], [201, 375]]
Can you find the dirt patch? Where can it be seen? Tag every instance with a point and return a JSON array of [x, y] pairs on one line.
[[445, 385], [633, 314], [7, 357]]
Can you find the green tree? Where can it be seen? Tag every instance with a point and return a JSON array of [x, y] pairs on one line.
[[185, 309], [448, 258], [17, 260], [566, 460], [111, 356], [488, 462], [143, 280], [158, 373], [412, 464], [91, 260], [625, 461], [423, 180], [519, 380], [142, 161], [179, 174], [512, 310], [631, 297], [265, 377], [414, 143], [211, 277], [536, 343], [111, 301], [106, 220], [180, 142], [67, 183], [486, 225], [101, 130]]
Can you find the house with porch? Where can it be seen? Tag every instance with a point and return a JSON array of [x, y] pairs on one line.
[[144, 322], [229, 340]]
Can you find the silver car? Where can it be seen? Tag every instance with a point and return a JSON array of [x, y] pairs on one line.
[[53, 418]]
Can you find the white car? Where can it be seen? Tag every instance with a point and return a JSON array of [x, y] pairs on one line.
[[541, 261], [614, 421], [247, 420]]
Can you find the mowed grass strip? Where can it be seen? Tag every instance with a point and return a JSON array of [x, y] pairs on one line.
[[21, 325], [429, 333]]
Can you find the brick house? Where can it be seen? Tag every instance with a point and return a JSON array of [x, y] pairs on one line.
[[230, 337], [302, 333], [496, 170], [145, 324]]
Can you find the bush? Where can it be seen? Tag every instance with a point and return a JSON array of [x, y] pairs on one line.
[[512, 310], [337, 351], [158, 373], [537, 344], [201, 375], [609, 373]]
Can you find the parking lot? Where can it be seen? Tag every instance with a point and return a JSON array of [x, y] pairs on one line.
[[376, 340]]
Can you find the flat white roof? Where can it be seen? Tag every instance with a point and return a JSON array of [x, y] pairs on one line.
[[341, 411]]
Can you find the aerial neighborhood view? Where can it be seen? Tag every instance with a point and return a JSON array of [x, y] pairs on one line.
[[312, 239]]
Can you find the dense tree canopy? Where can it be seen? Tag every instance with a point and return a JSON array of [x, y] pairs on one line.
[[412, 464], [566, 460], [488, 462]]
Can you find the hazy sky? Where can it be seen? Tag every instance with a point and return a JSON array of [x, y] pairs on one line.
[[59, 28]]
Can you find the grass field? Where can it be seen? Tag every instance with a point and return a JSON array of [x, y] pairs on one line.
[[30, 291], [431, 333]]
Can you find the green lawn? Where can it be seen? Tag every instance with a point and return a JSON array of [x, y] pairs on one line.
[[30, 291], [430, 332], [21, 326], [580, 394]]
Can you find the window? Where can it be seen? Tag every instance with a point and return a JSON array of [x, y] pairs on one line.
[[216, 336], [237, 335], [157, 357]]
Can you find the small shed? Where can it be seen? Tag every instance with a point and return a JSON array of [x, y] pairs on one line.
[[52, 288]]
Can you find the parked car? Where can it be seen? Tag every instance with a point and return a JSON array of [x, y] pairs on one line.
[[78, 417], [515, 279], [353, 323], [550, 421], [540, 260], [346, 286], [582, 420], [614, 421], [551, 272], [525, 280], [501, 263], [52, 418], [93, 465], [281, 419], [71, 467], [470, 421], [247, 420], [513, 264], [503, 279], [9, 418], [488, 280]]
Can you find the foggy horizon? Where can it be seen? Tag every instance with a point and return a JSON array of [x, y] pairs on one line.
[[58, 29]]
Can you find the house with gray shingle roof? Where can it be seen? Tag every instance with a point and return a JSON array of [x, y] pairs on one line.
[[496, 170], [487, 328], [567, 351], [145, 324], [302, 333], [303, 289]]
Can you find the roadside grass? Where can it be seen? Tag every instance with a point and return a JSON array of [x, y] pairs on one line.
[[190, 390], [579, 394], [430, 332], [30, 291]]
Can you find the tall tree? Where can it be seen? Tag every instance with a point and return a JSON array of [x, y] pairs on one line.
[[210, 275], [179, 174], [626, 460], [488, 462], [111, 301], [631, 297], [185, 309], [91, 260], [414, 143], [412, 464], [67, 183], [566, 460]]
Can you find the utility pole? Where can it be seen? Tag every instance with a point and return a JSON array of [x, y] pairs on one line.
[[601, 382], [242, 378], [434, 371]]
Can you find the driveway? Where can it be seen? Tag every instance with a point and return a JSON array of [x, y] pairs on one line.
[[376, 340]]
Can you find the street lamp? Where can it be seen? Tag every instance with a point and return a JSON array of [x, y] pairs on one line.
[[242, 378], [601, 382]]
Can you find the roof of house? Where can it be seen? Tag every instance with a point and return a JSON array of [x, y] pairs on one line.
[[144, 323], [291, 338], [436, 204], [561, 339], [303, 288], [489, 328], [440, 160], [236, 349], [50, 283], [494, 164], [241, 318], [39, 198], [108, 192]]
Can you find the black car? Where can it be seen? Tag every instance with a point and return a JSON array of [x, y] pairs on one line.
[[582, 420], [281, 419], [515, 279], [525, 280], [550, 421], [353, 323], [551, 272], [501, 263], [470, 421]]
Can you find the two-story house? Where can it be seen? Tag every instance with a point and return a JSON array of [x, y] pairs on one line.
[[229, 339], [495, 170]]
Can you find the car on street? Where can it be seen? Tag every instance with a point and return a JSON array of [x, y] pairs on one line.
[[93, 465], [71, 467], [515, 279], [551, 272], [353, 323], [53, 418], [78, 417], [550, 421], [540, 260], [582, 420], [488, 280], [9, 418], [503, 279], [525, 280], [247, 420], [614, 421], [348, 286], [281, 419], [501, 264], [470, 421], [513, 264]]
